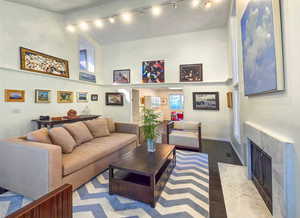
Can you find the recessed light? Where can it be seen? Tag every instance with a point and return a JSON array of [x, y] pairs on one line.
[[83, 26], [71, 28], [126, 17], [98, 23], [208, 4], [156, 10], [111, 20], [195, 3]]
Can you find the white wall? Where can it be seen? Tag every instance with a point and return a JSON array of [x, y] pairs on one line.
[[208, 47], [279, 112], [41, 31]]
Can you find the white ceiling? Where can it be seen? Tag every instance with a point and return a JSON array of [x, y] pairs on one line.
[[172, 21], [61, 6]]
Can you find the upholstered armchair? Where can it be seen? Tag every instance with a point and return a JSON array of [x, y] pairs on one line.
[[185, 135]]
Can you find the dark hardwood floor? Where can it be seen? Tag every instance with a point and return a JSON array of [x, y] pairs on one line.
[[217, 152]]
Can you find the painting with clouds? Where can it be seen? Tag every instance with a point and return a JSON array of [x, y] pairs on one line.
[[262, 49]]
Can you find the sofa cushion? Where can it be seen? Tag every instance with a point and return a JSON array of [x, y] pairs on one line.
[[79, 131], [98, 127], [184, 138], [60, 136], [40, 135], [111, 124], [94, 150], [186, 125]]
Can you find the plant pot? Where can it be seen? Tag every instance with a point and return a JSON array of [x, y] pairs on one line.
[[151, 147]]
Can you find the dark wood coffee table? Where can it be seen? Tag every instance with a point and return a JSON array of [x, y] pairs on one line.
[[142, 175]]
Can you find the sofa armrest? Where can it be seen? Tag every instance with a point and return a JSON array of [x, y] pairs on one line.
[[30, 168], [130, 128]]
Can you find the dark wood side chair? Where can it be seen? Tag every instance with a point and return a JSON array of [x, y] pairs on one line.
[[56, 204], [186, 139]]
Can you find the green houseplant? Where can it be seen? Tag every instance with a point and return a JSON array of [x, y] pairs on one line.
[[150, 127]]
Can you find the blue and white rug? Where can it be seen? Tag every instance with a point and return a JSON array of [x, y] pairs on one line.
[[186, 194]]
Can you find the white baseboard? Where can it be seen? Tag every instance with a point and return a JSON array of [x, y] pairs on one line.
[[216, 139], [237, 153]]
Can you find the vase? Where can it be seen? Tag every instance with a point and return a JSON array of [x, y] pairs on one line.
[[151, 145]]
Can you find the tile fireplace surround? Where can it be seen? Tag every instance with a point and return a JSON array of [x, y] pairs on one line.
[[280, 149]]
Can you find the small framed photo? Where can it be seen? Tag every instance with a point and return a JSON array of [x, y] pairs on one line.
[[205, 100], [191, 73], [42, 96], [121, 76], [14, 95], [115, 99], [94, 97], [65, 97], [229, 100], [82, 97]]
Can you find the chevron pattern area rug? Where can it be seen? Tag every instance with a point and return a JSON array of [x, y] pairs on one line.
[[186, 194]]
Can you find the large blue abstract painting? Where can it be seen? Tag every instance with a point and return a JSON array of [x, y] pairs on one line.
[[262, 49]]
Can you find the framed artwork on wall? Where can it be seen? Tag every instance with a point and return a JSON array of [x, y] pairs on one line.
[[42, 96], [83, 59], [65, 97], [205, 100], [262, 47], [114, 98], [191, 72], [121, 76], [153, 71], [229, 100], [94, 97], [82, 97], [41, 63], [14, 95], [87, 77]]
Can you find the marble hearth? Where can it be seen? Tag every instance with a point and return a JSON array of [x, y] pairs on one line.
[[280, 150]]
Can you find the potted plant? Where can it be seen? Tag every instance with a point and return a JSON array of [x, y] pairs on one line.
[[150, 125]]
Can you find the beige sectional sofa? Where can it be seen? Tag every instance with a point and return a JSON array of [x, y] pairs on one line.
[[32, 168]]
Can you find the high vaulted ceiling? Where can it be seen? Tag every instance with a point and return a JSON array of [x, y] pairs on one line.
[[61, 6], [178, 20]]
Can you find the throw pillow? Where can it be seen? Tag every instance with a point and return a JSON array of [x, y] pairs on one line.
[[111, 124], [60, 136], [40, 135], [79, 131], [98, 127]]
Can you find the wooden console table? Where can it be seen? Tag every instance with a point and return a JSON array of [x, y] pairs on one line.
[[51, 123]]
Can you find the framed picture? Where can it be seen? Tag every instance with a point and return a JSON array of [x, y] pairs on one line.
[[87, 77], [42, 96], [14, 95], [114, 99], [83, 59], [65, 97], [191, 72], [38, 62], [229, 100], [82, 97], [94, 97], [154, 71], [121, 76], [205, 100], [262, 47]]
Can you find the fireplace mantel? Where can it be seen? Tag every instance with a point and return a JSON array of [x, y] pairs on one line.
[[280, 149]]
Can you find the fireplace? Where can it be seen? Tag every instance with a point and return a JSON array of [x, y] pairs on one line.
[[261, 170]]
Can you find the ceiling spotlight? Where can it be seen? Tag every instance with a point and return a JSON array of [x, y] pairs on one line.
[[98, 23], [156, 10], [83, 26], [111, 20], [71, 28], [217, 1], [126, 17], [174, 5], [208, 5], [195, 3]]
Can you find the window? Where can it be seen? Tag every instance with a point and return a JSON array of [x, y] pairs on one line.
[[155, 102], [176, 101], [86, 56]]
